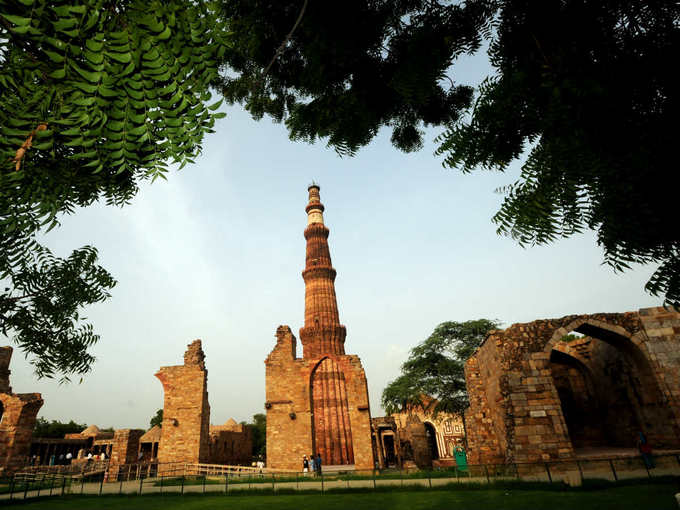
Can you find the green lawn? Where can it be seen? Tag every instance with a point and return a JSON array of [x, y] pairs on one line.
[[653, 497]]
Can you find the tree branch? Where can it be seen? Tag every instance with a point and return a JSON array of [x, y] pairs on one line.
[[282, 47]]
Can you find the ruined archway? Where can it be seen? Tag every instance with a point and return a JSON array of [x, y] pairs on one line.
[[607, 388], [332, 430], [431, 435]]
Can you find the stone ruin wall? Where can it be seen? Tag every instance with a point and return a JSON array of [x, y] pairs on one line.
[[289, 405], [516, 414], [230, 444], [18, 414], [186, 412]]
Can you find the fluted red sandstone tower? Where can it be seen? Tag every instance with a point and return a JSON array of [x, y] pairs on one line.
[[317, 403]]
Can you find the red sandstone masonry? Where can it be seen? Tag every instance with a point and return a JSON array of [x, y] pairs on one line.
[[186, 412], [510, 382], [18, 413], [317, 404]]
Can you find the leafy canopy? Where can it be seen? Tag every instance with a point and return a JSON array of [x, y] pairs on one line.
[[94, 96], [157, 419], [584, 89], [56, 429], [349, 68], [435, 369], [258, 430]]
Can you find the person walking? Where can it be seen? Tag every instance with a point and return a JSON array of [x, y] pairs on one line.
[[646, 451], [318, 464], [312, 464], [305, 465]]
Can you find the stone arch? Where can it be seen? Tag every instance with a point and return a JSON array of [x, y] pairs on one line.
[[331, 428], [431, 436], [635, 396]]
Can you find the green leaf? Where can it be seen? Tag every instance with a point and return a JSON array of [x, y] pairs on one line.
[[95, 46], [85, 87], [58, 73], [165, 34], [90, 76], [215, 106], [54, 57], [42, 146], [17, 20], [122, 58]]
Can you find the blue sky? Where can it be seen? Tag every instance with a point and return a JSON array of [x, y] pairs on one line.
[[217, 251]]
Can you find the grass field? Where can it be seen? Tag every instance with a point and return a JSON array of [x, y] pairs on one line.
[[652, 497]]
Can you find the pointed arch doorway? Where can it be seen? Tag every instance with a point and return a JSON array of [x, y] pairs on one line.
[[332, 435]]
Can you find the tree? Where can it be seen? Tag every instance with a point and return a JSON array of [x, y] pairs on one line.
[[435, 369], [157, 419], [56, 429], [94, 96], [342, 71], [258, 428], [581, 88]]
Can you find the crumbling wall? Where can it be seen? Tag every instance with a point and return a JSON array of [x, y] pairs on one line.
[[230, 444], [186, 412], [125, 446], [18, 414], [290, 430], [518, 393]]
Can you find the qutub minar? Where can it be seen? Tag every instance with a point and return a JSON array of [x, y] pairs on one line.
[[317, 403]]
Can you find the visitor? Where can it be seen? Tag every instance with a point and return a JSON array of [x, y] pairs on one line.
[[69, 458], [305, 465], [312, 463], [89, 457], [52, 459], [318, 464], [646, 451], [62, 459], [103, 456]]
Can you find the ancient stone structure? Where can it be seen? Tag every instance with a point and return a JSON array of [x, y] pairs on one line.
[[537, 394], [18, 413], [186, 412], [231, 444], [417, 438], [149, 443], [186, 435], [125, 446], [317, 403]]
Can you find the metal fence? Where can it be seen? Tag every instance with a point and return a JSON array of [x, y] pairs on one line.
[[179, 478]]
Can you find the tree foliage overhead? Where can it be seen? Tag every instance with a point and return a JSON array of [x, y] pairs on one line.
[[94, 96], [586, 88], [345, 69], [435, 369]]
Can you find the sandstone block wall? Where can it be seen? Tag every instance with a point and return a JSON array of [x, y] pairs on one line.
[[232, 447], [516, 414], [186, 412], [289, 405], [125, 446], [18, 414]]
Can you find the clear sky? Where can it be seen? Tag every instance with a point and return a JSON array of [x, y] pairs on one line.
[[216, 253]]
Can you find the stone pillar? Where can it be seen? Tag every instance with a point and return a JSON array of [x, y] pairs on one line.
[[19, 413], [186, 412], [125, 446]]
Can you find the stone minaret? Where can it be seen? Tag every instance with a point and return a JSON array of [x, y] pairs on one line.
[[322, 332], [317, 403]]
